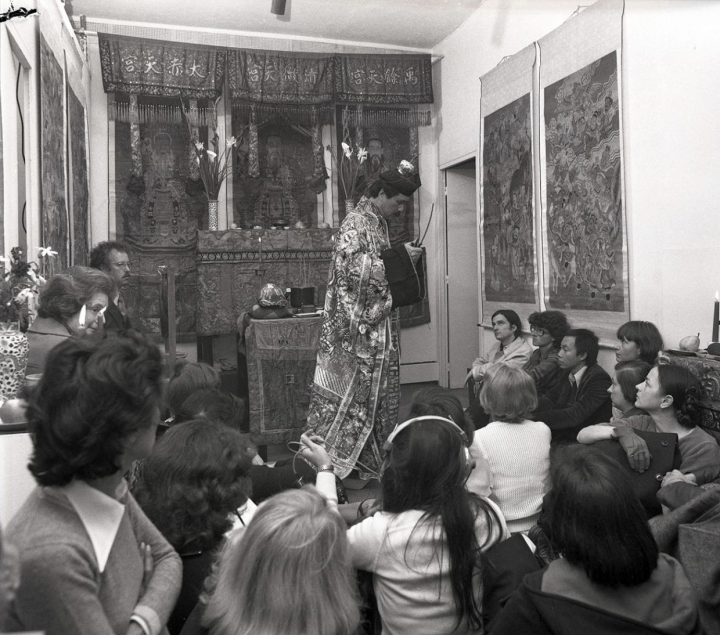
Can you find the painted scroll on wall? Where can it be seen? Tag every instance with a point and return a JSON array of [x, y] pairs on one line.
[[583, 217], [509, 269], [54, 218]]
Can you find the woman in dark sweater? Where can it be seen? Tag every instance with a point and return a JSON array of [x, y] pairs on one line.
[[610, 577]]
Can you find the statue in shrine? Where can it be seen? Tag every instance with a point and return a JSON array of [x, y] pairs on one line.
[[276, 204]]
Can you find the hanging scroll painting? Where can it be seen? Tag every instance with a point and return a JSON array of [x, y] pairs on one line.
[[584, 202], [509, 263], [54, 216], [78, 180], [584, 229]]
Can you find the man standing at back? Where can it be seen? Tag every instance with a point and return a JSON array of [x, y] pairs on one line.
[[112, 258], [580, 397]]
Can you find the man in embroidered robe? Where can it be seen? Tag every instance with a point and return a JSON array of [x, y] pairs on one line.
[[356, 393]]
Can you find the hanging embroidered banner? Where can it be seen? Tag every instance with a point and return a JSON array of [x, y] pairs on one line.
[[279, 77], [383, 79], [152, 67]]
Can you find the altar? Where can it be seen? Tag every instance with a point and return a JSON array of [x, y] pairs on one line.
[[233, 265]]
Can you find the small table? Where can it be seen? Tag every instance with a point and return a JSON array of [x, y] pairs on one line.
[[707, 370], [281, 357]]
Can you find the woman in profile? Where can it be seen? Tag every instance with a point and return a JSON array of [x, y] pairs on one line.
[[288, 573], [610, 577], [71, 305]]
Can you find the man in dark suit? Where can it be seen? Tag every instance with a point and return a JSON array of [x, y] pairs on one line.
[[580, 398], [112, 258]]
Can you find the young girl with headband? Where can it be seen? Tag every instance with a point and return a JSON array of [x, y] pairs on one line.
[[424, 546]]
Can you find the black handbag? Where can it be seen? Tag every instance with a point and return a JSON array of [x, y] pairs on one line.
[[665, 455]]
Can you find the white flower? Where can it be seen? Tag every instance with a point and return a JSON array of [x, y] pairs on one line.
[[199, 146], [346, 150], [46, 251], [231, 141], [406, 168], [211, 154], [362, 155], [24, 296]]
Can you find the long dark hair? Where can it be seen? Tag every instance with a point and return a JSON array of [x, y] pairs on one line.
[[425, 470]]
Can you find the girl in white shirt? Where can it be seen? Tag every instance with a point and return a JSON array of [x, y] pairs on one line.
[[424, 546], [516, 449]]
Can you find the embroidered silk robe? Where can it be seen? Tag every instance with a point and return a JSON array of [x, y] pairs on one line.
[[356, 392]]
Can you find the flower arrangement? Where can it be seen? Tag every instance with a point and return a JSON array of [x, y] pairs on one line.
[[213, 169], [350, 162], [21, 285]]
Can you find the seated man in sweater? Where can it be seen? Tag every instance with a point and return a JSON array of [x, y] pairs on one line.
[[580, 397]]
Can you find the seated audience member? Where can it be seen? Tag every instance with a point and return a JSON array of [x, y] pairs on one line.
[[548, 329], [188, 378], [610, 577], [191, 488], [442, 403], [216, 405], [638, 340], [670, 396], [112, 258], [510, 348], [690, 532], [580, 397], [424, 545], [516, 449], [70, 305], [91, 561], [623, 391], [288, 572]]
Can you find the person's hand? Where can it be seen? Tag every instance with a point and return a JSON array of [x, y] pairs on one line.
[[134, 629], [676, 476], [313, 451], [414, 252], [635, 448], [148, 564]]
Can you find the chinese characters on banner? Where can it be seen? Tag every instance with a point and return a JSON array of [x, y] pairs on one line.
[[383, 79], [150, 67]]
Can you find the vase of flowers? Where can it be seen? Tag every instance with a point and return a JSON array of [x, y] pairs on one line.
[[212, 168], [349, 176], [19, 289]]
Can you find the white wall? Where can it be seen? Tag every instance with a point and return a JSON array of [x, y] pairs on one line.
[[670, 60]]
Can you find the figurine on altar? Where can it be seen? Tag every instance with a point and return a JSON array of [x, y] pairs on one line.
[[356, 392]]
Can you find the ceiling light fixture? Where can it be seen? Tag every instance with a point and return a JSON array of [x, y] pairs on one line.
[[278, 7]]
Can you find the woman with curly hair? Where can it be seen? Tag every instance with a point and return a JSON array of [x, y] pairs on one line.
[[91, 561], [547, 329], [71, 304], [670, 396], [191, 488]]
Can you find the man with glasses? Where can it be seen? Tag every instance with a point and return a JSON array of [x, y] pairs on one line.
[[112, 258]]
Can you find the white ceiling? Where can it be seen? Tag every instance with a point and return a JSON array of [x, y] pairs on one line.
[[416, 24]]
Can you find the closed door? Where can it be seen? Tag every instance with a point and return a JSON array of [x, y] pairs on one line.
[[462, 270]]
